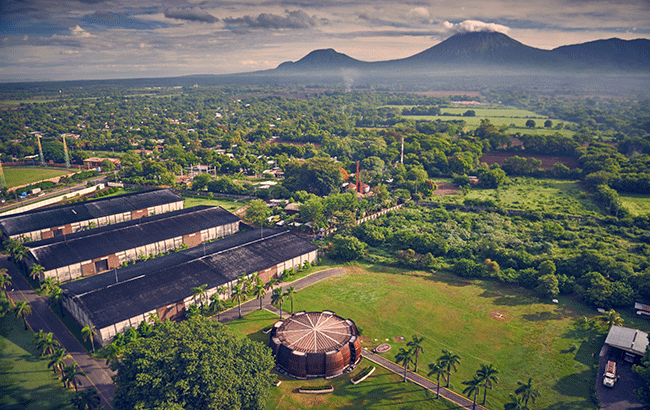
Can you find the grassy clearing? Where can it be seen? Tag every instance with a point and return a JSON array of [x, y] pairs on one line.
[[25, 380], [636, 204], [228, 204], [382, 389], [16, 176], [546, 195], [536, 339]]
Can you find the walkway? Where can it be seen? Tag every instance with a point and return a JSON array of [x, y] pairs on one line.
[[421, 381], [42, 317]]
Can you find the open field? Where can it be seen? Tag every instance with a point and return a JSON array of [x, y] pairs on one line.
[[16, 176], [545, 195], [636, 204], [482, 321], [25, 381], [227, 204], [382, 389]]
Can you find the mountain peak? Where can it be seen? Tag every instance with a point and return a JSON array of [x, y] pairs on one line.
[[323, 59]]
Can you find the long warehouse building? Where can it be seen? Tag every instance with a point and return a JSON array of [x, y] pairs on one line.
[[116, 301], [97, 250], [62, 220]]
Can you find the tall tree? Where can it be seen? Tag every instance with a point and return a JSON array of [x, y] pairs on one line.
[[450, 361], [487, 374], [45, 343], [86, 400], [194, 364], [404, 357], [113, 352], [5, 280], [57, 360], [515, 403], [217, 305], [437, 369], [69, 376], [290, 294], [527, 391], [23, 309], [89, 332], [259, 291], [473, 388], [200, 294], [36, 271], [277, 298], [257, 213], [238, 295], [416, 345]]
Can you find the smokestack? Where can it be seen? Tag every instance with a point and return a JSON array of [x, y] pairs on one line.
[[358, 182], [401, 158]]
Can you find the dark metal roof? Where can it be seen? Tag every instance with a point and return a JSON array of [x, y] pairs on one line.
[[158, 282], [38, 219], [81, 246]]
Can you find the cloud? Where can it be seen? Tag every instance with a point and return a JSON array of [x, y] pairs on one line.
[[119, 20], [469, 26], [78, 32], [191, 14], [296, 19]]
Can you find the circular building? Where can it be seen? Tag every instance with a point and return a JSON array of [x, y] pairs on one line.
[[315, 344]]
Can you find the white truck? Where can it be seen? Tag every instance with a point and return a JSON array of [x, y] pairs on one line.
[[609, 378]]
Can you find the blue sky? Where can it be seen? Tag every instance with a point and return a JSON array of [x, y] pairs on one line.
[[97, 39]]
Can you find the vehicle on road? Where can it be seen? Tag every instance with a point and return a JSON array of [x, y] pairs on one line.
[[609, 377]]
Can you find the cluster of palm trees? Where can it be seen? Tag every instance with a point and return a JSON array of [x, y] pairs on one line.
[[280, 296], [50, 348], [15, 249], [443, 367], [525, 392], [485, 377]]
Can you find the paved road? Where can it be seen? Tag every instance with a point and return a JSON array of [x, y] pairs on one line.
[[42, 317], [422, 381], [254, 304]]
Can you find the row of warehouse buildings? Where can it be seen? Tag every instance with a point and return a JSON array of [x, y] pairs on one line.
[[145, 255]]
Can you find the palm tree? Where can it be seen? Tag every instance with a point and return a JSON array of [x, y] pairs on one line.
[[217, 305], [89, 332], [46, 285], [112, 354], [416, 346], [55, 295], [57, 360], [487, 374], [244, 282], [259, 291], [404, 357], [23, 309], [70, 374], [290, 293], [450, 361], [200, 294], [516, 403], [154, 319], [437, 369], [86, 400], [46, 343], [5, 280], [222, 290], [473, 387], [238, 295], [36, 271], [277, 298], [271, 283], [527, 391], [610, 318]]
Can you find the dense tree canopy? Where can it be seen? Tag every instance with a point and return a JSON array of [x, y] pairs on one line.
[[195, 364]]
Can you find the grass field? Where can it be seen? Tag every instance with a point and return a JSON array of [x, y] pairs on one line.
[[535, 338], [546, 195], [16, 176], [383, 389], [228, 204], [636, 204], [25, 381]]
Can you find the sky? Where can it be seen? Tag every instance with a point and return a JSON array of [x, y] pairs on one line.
[[106, 39]]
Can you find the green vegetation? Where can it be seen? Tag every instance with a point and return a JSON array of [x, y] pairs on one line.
[[483, 322], [16, 176], [26, 383], [636, 204]]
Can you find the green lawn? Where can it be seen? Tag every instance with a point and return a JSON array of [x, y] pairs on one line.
[[383, 389], [228, 204], [545, 195], [636, 204], [16, 176], [537, 339], [25, 380]]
